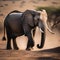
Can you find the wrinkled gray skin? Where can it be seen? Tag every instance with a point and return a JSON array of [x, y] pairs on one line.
[[17, 24]]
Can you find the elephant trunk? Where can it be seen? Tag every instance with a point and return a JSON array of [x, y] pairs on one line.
[[42, 40], [4, 34], [41, 25]]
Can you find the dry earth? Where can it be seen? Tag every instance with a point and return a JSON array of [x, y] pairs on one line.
[[51, 49]]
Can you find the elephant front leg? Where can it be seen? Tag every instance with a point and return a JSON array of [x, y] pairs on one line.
[[30, 43], [27, 32]]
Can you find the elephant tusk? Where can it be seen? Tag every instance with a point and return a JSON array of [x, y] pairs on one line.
[[48, 28], [45, 18], [41, 30]]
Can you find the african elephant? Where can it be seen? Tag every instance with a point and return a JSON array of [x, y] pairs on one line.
[[17, 24]]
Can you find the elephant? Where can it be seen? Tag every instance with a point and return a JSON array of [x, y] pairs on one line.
[[19, 23]]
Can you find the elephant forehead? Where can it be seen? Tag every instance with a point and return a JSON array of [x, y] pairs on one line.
[[16, 13]]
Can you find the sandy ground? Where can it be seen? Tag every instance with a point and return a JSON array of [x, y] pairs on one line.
[[28, 55]]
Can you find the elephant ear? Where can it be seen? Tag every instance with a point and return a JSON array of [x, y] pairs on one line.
[[28, 18]]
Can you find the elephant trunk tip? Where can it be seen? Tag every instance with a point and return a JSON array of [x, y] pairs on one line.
[[38, 46], [4, 38]]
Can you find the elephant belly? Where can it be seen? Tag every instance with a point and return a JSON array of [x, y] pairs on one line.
[[16, 30]]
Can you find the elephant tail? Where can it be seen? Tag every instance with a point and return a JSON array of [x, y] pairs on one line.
[[4, 38], [42, 41]]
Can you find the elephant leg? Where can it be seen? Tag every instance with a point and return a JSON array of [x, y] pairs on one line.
[[9, 43], [34, 30], [27, 32], [30, 41], [8, 40], [14, 44]]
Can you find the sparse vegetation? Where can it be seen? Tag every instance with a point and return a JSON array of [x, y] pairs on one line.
[[49, 9], [53, 15]]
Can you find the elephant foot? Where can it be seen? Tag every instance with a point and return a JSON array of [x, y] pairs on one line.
[[16, 48], [30, 44], [28, 49], [8, 48], [38, 46]]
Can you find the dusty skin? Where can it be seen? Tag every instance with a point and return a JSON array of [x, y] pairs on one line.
[[51, 49]]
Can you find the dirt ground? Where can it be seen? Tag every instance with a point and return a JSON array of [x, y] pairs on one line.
[[51, 49]]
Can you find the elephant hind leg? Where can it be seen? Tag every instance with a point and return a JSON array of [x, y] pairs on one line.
[[8, 43], [8, 40], [14, 44]]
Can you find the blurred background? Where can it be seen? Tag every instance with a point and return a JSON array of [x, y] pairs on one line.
[[53, 9]]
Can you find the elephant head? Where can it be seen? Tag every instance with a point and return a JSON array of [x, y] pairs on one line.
[[32, 17], [44, 18]]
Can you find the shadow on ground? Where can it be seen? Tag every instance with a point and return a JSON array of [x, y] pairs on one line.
[[43, 58], [48, 54], [53, 50]]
